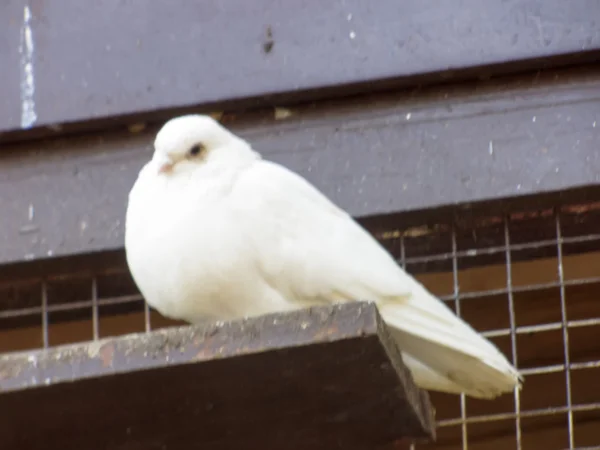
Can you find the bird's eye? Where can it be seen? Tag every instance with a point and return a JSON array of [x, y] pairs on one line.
[[195, 150]]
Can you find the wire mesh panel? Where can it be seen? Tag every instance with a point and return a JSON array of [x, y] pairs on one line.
[[529, 281]]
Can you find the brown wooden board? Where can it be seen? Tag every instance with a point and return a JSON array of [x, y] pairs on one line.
[[319, 378], [97, 60], [373, 155]]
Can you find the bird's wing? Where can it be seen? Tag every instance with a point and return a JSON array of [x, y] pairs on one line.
[[307, 245]]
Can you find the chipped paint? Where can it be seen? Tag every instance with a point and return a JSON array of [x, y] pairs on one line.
[[26, 50]]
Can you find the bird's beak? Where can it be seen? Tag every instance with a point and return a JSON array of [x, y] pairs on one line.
[[165, 165]]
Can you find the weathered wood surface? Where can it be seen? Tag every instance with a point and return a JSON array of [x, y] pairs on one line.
[[106, 59], [320, 378], [373, 155]]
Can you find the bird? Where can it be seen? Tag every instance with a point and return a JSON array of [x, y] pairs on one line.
[[214, 231]]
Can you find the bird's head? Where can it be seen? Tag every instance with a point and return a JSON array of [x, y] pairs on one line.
[[186, 142]]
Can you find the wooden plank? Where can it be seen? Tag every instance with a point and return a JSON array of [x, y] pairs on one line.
[[373, 155], [115, 58], [316, 378]]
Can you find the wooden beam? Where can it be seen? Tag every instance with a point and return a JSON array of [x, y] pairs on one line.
[[114, 58], [317, 378], [443, 147]]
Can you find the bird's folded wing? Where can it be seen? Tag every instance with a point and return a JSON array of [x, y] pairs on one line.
[[307, 245]]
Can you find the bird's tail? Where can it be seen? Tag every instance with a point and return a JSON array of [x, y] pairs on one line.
[[443, 352]]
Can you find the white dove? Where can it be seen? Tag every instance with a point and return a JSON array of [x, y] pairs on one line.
[[213, 231]]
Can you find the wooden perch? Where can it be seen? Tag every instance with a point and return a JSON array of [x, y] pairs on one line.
[[320, 378]]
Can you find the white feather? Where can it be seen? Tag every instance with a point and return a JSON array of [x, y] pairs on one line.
[[232, 235]]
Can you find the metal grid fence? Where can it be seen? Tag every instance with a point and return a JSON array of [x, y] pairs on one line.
[[528, 281]]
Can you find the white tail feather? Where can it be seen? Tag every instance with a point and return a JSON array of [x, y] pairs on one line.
[[443, 352], [429, 379]]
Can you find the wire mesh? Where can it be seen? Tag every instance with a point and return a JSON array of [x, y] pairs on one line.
[[513, 331], [527, 281]]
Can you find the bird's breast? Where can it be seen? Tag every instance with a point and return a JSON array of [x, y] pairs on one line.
[[189, 259]]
